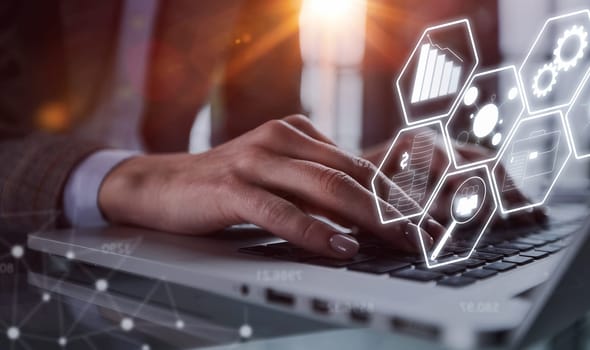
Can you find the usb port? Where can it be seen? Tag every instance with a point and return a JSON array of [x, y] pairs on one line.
[[415, 328], [277, 297], [320, 306], [359, 315]]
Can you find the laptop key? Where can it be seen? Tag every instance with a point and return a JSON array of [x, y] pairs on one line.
[[456, 281], [404, 257], [546, 236], [535, 254], [536, 242], [457, 249], [379, 266], [451, 269], [501, 251], [472, 263], [417, 275], [489, 257], [480, 273], [519, 260], [329, 262], [260, 250], [551, 249], [515, 246], [500, 266], [298, 255]]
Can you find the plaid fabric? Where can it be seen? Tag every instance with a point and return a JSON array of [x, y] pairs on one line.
[[32, 178]]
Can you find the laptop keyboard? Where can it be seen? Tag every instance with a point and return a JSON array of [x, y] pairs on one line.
[[498, 252]]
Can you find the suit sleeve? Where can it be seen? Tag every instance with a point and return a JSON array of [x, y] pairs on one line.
[[33, 175], [37, 152]]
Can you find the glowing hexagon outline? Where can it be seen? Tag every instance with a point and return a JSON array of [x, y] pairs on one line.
[[483, 228], [526, 99], [376, 198], [404, 69], [582, 86], [509, 134], [548, 192]]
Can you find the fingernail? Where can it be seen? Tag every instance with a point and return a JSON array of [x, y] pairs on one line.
[[435, 228], [343, 244], [412, 231]]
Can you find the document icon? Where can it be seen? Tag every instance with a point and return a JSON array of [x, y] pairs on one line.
[[531, 157]]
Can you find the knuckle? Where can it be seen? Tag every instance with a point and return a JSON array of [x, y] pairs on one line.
[[298, 118], [249, 158], [277, 212], [365, 167], [307, 232], [334, 181], [276, 127]]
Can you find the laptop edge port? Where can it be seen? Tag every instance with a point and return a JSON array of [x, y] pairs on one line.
[[360, 315], [320, 306], [281, 298]]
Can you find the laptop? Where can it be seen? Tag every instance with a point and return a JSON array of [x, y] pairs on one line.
[[519, 285]]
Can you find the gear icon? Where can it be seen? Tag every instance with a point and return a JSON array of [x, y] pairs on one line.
[[574, 33], [546, 84]]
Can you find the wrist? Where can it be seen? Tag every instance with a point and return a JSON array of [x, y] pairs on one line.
[[120, 190]]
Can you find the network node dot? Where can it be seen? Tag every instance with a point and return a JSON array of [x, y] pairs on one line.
[[46, 297], [127, 324], [101, 285], [70, 255], [13, 333], [17, 251], [180, 324], [62, 341], [245, 331]]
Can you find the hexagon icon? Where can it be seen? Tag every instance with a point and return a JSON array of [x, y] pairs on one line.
[[550, 82], [437, 71], [466, 197], [578, 120], [532, 160], [486, 114], [409, 172]]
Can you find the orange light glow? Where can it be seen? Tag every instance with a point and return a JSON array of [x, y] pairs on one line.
[[53, 117]]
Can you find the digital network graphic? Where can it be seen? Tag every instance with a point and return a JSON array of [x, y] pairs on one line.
[[435, 75], [525, 153], [126, 324]]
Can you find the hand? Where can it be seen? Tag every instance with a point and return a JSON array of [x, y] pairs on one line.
[[535, 216], [275, 176]]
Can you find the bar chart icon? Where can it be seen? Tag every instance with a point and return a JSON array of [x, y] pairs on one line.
[[437, 74]]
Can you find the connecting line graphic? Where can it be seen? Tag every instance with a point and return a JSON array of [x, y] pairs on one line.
[[19, 337]]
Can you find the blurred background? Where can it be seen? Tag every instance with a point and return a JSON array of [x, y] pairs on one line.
[[221, 68]]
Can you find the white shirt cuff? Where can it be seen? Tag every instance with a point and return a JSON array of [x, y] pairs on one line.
[[81, 191]]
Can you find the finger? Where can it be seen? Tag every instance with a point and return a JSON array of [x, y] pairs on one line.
[[360, 169], [472, 152], [476, 153], [303, 124], [432, 227], [537, 216], [285, 220], [314, 150], [332, 190]]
